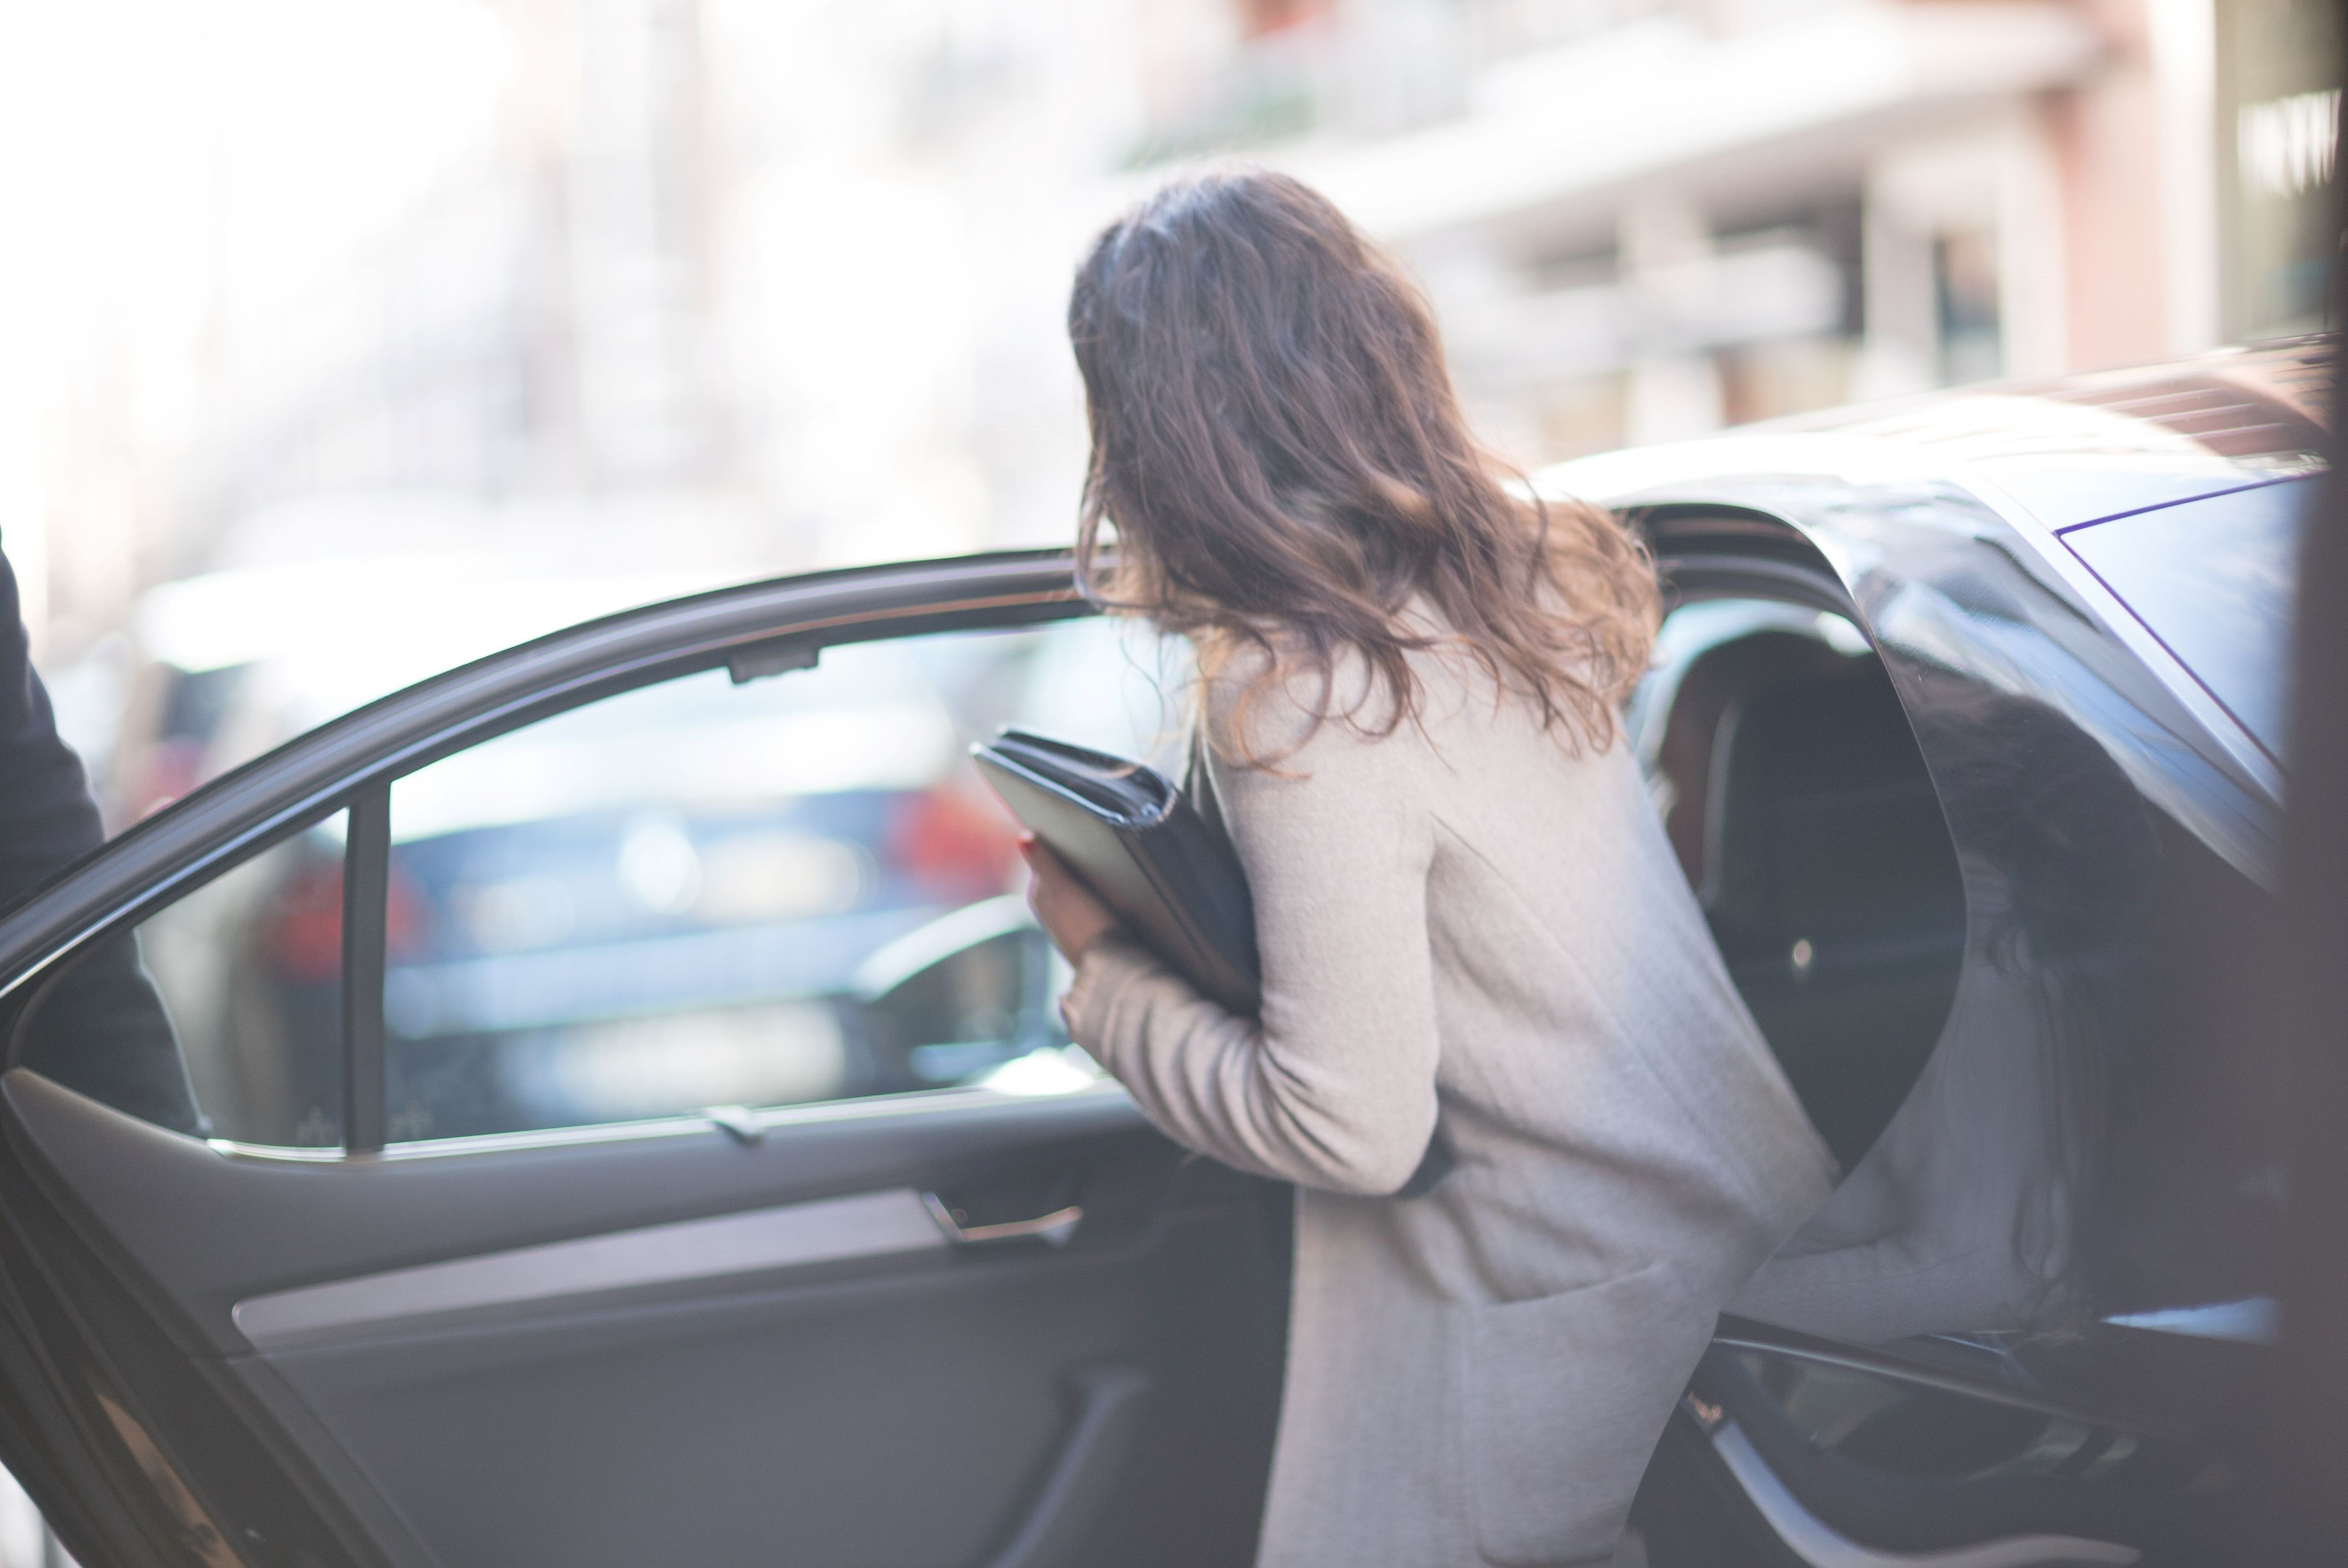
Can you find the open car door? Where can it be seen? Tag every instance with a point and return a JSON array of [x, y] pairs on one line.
[[622, 1121]]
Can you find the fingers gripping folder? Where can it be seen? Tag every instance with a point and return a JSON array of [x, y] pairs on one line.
[[1159, 866]]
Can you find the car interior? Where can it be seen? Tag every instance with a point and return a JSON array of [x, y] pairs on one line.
[[1803, 814]]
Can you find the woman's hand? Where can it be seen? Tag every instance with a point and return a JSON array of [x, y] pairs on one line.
[[1063, 906]]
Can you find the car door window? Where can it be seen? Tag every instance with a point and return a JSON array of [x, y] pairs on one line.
[[702, 893], [221, 1012]]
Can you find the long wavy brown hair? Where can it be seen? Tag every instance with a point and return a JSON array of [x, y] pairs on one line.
[[1277, 445]]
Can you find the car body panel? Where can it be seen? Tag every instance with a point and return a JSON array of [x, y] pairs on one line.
[[2076, 1184]]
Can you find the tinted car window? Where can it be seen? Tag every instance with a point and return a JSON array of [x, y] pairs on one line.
[[2212, 580]]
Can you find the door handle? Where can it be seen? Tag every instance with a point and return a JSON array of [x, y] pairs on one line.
[[1055, 1228]]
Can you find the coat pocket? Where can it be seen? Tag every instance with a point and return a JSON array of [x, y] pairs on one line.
[[1567, 1396]]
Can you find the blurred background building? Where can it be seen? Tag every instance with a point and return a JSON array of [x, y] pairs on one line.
[[351, 337]]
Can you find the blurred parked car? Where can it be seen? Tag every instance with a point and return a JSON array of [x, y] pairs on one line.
[[694, 1176], [687, 895]]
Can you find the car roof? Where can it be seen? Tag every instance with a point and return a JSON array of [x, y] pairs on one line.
[[2064, 451], [1951, 492]]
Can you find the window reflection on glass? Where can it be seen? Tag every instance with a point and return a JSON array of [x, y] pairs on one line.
[[699, 894], [2213, 580]]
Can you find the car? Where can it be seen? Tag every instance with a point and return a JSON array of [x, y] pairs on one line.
[[1958, 704]]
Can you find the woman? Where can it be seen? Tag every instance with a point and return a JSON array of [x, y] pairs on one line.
[[1469, 916]]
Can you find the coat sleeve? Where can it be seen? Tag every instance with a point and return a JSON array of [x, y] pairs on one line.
[[102, 1029], [1334, 1087], [47, 819]]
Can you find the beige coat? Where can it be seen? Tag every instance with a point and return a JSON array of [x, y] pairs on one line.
[[1461, 919]]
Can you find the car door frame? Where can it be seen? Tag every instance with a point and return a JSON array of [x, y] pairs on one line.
[[101, 1426]]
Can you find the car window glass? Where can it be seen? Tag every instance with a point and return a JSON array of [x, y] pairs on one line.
[[700, 894], [2212, 580], [221, 1012]]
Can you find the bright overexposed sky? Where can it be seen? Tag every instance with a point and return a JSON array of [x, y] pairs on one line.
[[161, 159], [173, 175]]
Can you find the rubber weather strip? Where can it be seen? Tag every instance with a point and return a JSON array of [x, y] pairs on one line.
[[366, 893]]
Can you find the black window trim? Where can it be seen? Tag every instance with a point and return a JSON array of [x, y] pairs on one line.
[[366, 912]]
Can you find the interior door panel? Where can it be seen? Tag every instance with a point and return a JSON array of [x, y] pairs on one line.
[[504, 1358], [793, 1240], [910, 1418]]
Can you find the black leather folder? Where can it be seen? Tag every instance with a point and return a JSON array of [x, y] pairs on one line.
[[1146, 851], [1157, 863]]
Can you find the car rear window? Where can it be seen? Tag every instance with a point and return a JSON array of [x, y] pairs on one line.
[[2212, 579]]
